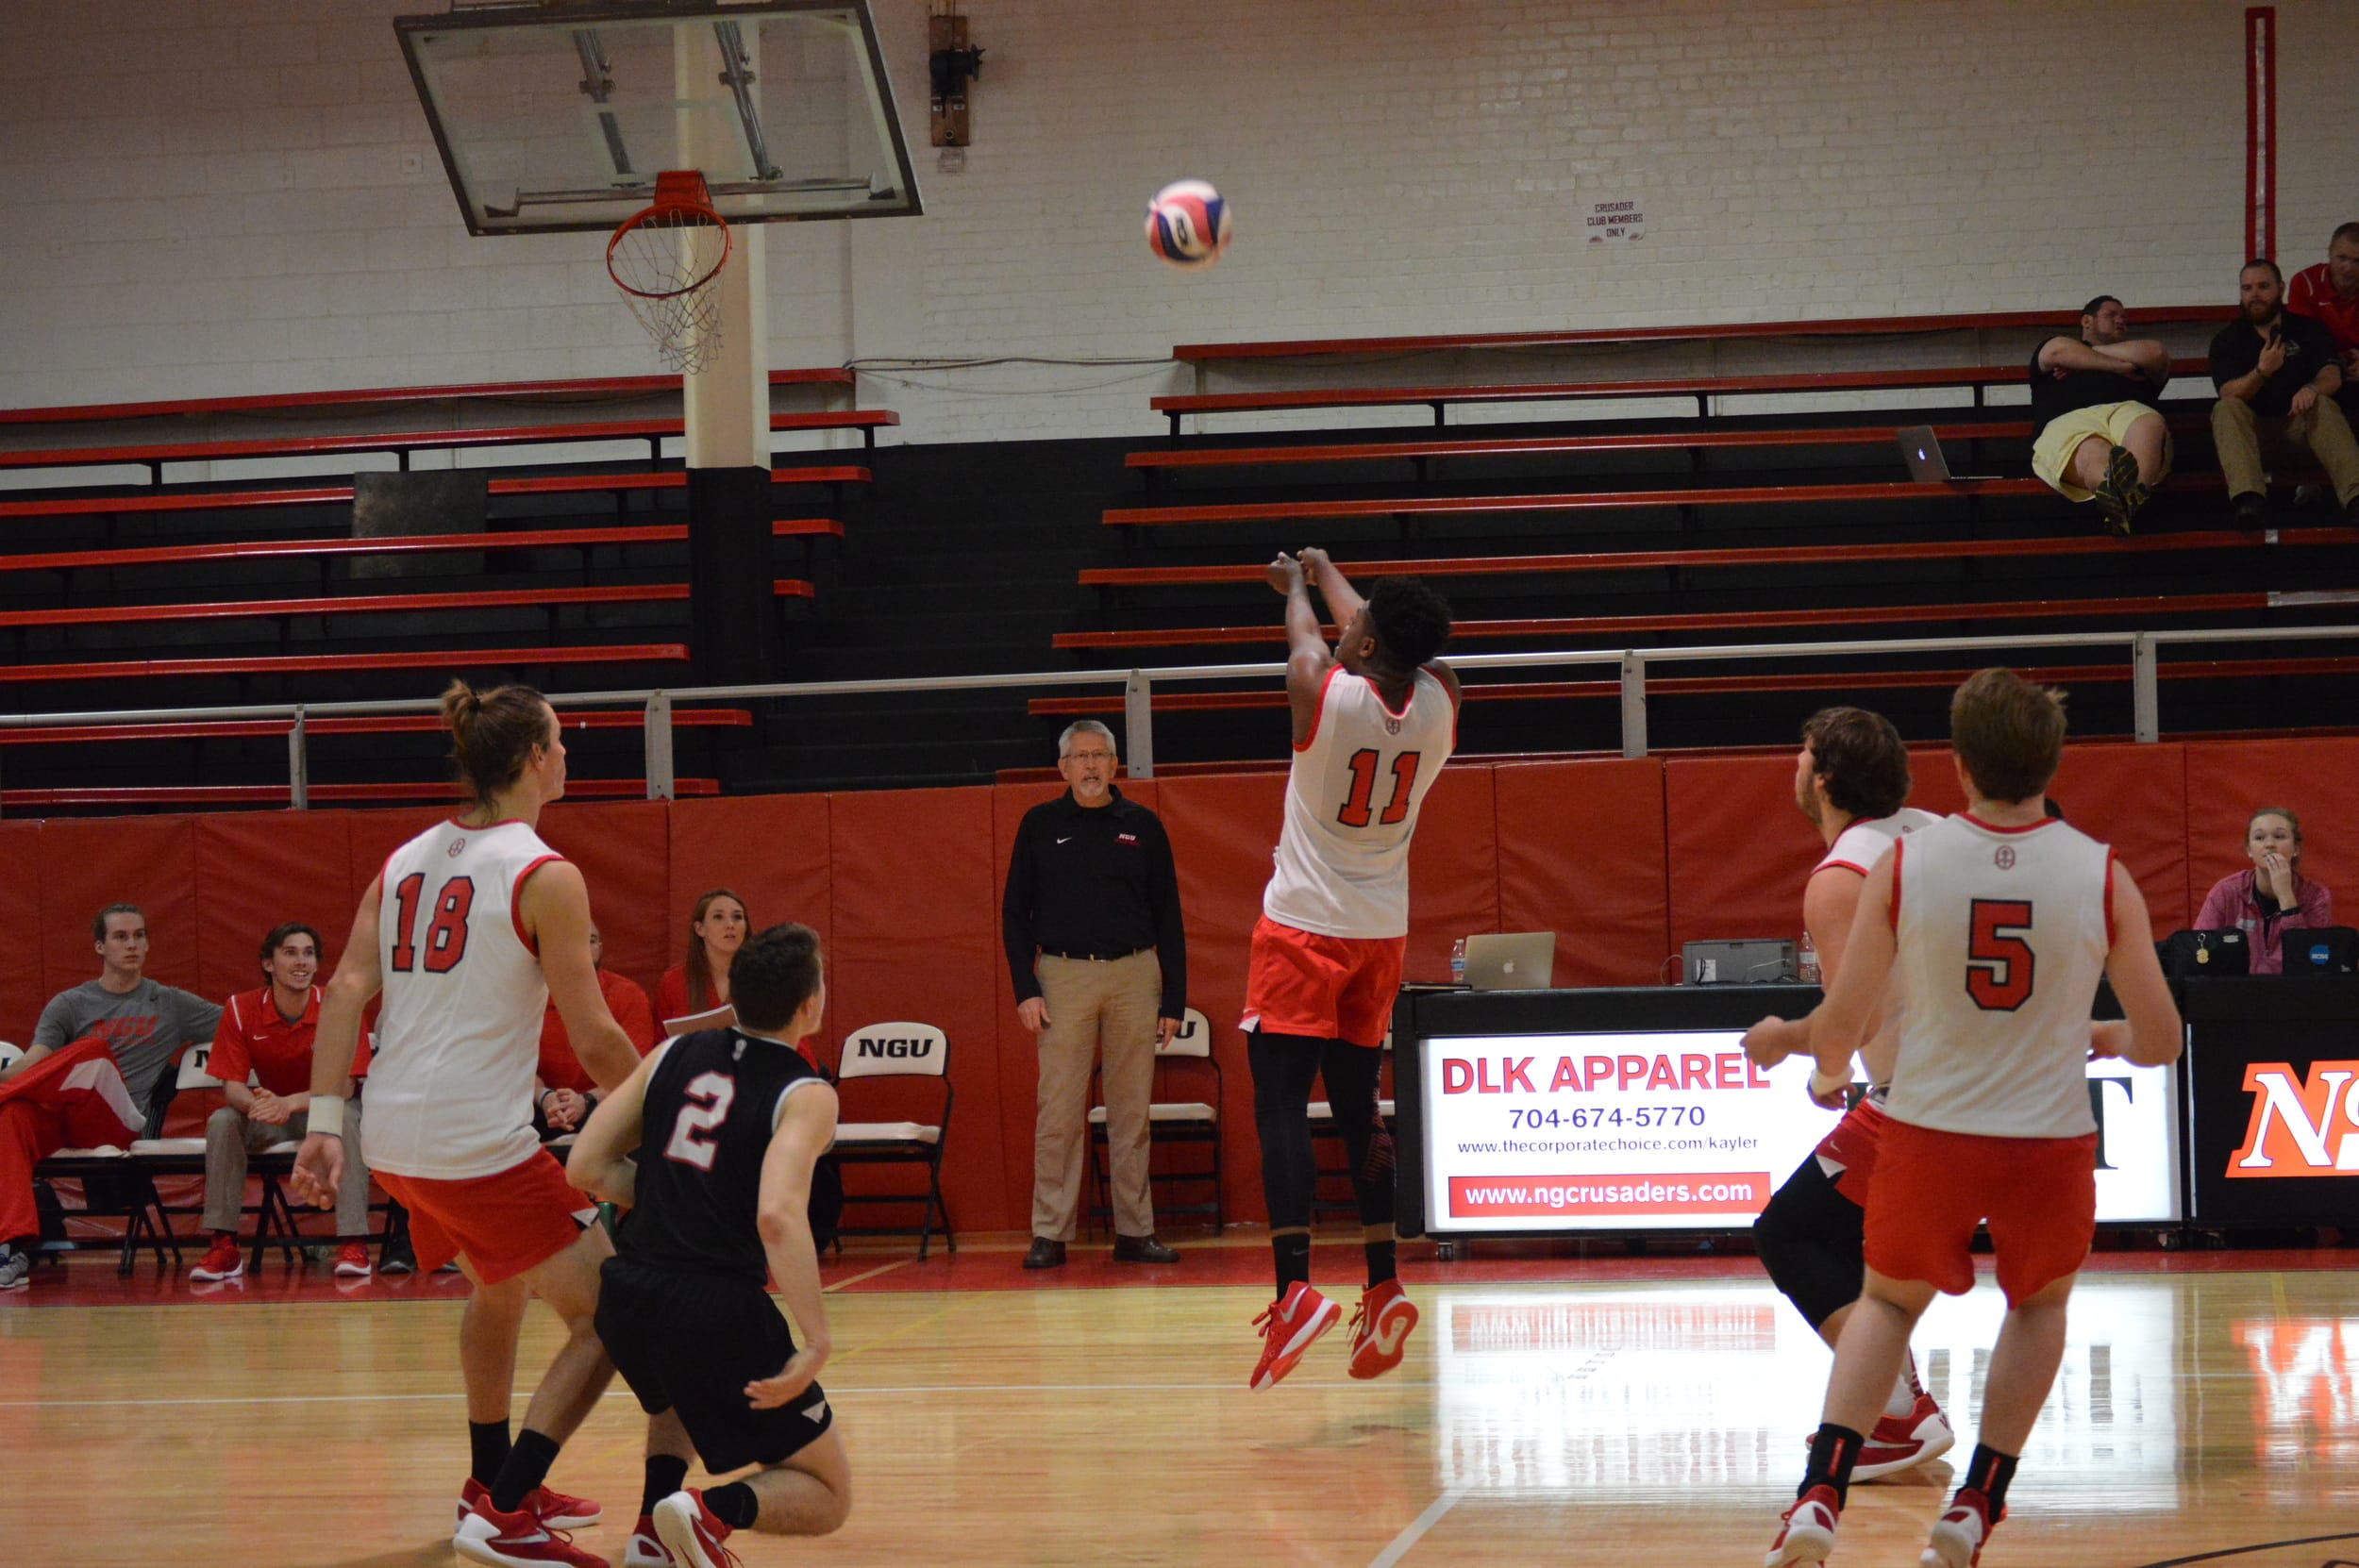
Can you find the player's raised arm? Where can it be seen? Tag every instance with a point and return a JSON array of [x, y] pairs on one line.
[[600, 1162], [2150, 1033], [1308, 656], [555, 908], [806, 1129]]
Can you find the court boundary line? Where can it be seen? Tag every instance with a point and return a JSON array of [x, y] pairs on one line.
[[1416, 1529]]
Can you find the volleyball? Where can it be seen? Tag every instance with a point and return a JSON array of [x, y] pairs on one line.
[[1187, 224]]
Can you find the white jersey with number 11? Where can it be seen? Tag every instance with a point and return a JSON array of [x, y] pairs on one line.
[[1352, 806]]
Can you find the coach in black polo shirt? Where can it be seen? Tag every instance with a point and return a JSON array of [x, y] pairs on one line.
[[2277, 377], [1092, 919]]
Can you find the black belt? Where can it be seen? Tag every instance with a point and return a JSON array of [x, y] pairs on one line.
[[1095, 958]]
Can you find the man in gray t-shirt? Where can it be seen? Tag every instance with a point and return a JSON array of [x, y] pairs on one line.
[[142, 1022]]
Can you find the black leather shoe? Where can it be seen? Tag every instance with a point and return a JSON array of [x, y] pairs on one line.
[[1045, 1254], [2252, 510], [1143, 1249]]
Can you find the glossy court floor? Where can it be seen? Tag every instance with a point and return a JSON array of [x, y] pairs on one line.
[[1552, 1410]]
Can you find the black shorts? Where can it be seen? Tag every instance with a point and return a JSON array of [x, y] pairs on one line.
[[692, 1342]]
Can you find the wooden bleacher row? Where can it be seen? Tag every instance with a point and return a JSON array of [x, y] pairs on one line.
[[154, 455], [72, 504], [1831, 680], [494, 391], [1976, 379], [1984, 321]]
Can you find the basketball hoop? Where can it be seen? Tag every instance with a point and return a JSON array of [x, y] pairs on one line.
[[666, 259]]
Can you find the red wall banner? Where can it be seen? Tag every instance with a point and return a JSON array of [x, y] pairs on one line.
[[1623, 859]]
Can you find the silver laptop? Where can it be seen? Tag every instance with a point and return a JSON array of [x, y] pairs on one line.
[[1516, 961], [1928, 465]]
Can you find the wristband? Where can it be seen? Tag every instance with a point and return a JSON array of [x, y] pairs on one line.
[[327, 1115], [1821, 1086]]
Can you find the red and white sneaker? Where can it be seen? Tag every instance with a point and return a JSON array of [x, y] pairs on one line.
[[516, 1541], [645, 1549], [550, 1507], [222, 1261], [1289, 1328], [352, 1262], [1380, 1330], [1809, 1533], [1898, 1443], [687, 1527], [1958, 1535]]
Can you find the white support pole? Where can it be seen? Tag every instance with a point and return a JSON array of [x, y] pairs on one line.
[[2146, 706], [1633, 705], [661, 782], [298, 765], [1138, 724]]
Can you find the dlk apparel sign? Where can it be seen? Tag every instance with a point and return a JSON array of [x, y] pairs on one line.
[[1677, 1130]]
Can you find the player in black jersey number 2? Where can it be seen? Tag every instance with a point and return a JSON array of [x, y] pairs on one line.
[[728, 1126]]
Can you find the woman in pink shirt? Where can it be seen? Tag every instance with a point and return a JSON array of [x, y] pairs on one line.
[[2273, 897]]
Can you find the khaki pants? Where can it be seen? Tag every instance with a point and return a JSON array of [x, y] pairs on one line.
[[2246, 440], [1094, 1009], [230, 1137]]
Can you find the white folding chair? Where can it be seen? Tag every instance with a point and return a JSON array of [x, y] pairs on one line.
[[1172, 1122], [871, 1057]]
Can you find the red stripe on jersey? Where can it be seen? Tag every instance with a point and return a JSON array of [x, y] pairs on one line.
[[2109, 898], [1899, 847], [515, 904], [1320, 712]]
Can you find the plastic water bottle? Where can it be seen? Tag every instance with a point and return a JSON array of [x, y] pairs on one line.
[[1458, 963], [1806, 962]]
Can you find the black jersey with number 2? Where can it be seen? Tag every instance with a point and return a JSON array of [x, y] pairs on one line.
[[713, 1103]]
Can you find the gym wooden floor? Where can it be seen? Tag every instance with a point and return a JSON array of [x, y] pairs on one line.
[[1552, 1411]]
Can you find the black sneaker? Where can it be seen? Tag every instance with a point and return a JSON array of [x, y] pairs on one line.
[[397, 1258], [2252, 510], [2118, 494]]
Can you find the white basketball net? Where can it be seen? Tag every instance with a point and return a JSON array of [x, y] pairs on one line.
[[667, 265]]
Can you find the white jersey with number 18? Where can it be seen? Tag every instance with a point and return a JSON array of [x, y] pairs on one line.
[[2003, 937], [459, 1037], [1351, 805]]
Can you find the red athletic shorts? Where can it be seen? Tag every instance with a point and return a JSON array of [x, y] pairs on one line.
[[1851, 1148], [1930, 1188], [505, 1224], [1322, 988]]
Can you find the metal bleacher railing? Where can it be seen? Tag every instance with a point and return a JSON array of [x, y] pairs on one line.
[[1139, 687]]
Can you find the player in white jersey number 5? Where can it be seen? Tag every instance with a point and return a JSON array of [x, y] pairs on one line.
[[1373, 720], [1999, 922], [473, 928]]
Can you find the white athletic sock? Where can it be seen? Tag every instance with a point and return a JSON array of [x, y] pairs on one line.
[[1904, 1388]]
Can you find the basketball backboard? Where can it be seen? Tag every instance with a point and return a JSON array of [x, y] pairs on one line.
[[559, 114]]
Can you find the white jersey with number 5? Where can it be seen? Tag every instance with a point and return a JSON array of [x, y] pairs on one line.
[[459, 1038], [2002, 936], [1351, 805]]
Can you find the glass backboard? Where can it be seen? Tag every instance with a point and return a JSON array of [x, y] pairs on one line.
[[559, 114]]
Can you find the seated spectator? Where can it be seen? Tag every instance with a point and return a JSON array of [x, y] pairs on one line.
[[568, 1093], [2092, 405], [52, 1098], [700, 982], [145, 1025], [2327, 294], [267, 1033], [2273, 897], [2277, 377]]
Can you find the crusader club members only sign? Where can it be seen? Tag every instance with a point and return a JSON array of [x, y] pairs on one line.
[[1677, 1130]]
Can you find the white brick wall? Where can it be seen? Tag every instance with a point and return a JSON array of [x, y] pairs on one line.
[[209, 196]]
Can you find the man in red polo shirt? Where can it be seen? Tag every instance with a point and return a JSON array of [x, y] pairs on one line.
[[568, 1093], [266, 1034], [2327, 294]]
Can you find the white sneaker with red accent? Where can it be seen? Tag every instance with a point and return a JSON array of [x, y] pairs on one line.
[[550, 1507], [687, 1527], [516, 1539], [222, 1261], [1380, 1330], [1809, 1533], [1290, 1326], [645, 1549], [1898, 1443], [1958, 1535]]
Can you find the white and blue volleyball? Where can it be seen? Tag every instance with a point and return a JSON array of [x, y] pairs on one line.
[[1187, 224]]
